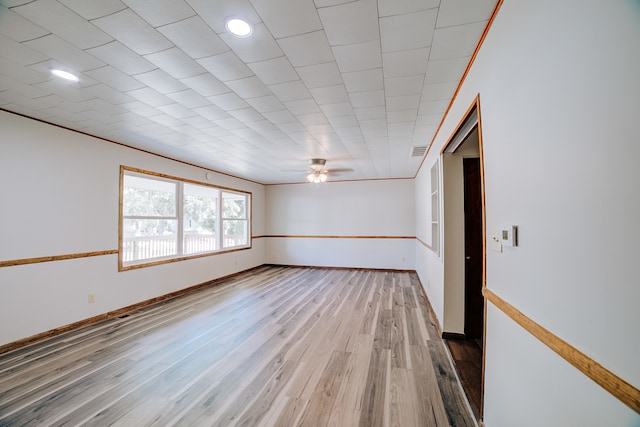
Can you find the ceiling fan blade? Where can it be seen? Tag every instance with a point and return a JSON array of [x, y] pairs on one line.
[[338, 170]]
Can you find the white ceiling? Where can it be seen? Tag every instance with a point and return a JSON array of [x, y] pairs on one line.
[[359, 83]]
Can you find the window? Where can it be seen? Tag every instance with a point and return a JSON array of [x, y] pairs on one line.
[[164, 218], [435, 209]]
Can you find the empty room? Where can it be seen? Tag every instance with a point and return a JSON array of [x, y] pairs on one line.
[[319, 213]]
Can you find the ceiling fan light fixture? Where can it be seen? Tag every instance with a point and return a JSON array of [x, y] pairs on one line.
[[316, 177], [317, 164], [238, 27]]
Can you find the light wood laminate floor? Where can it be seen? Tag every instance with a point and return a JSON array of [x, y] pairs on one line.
[[274, 346]]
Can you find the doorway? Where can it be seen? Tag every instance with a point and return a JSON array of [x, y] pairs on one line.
[[464, 255]]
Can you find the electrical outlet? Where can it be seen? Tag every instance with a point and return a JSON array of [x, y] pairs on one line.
[[92, 298]]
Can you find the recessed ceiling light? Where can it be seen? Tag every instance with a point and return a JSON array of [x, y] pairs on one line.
[[238, 27], [65, 75]]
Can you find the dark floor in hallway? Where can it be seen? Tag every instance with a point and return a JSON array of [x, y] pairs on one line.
[[467, 357]]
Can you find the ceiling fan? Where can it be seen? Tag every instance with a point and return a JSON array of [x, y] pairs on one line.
[[318, 173]]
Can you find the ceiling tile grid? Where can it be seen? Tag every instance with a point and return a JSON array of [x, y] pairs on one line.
[[356, 82]]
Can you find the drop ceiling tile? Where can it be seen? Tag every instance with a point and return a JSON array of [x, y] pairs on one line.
[[322, 130], [266, 103], [177, 111], [402, 116], [150, 97], [228, 101], [277, 117], [406, 102], [20, 73], [403, 131], [198, 121], [360, 81], [433, 107], [370, 113], [55, 101], [29, 91], [455, 42], [459, 12], [343, 121], [246, 134], [194, 37], [27, 106], [94, 9], [326, 3], [288, 17], [141, 109], [408, 31], [250, 87], [121, 57], [160, 81], [212, 112], [446, 70], [428, 119], [18, 28], [307, 49], [290, 91], [115, 78], [226, 66], [168, 121], [99, 108], [230, 124], [320, 75], [19, 52], [128, 117], [176, 63], [215, 12], [398, 7], [349, 23], [259, 47], [64, 90], [246, 115], [206, 85], [330, 94], [161, 12], [132, 31], [372, 98], [373, 127], [274, 71], [65, 53], [438, 91], [262, 126], [399, 86], [108, 94], [291, 127], [189, 98], [358, 56], [215, 133], [63, 22], [349, 130], [304, 106], [405, 62], [341, 109]]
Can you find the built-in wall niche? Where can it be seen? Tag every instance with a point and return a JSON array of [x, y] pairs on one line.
[[435, 209]]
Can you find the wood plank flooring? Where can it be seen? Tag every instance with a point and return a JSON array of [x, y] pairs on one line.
[[275, 346]]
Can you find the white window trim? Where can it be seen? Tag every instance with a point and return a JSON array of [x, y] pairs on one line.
[[125, 170]]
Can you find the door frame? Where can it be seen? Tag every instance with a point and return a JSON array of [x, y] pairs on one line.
[[453, 297]]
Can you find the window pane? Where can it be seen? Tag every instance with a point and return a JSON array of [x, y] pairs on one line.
[[149, 238], [235, 233], [148, 197], [234, 205], [199, 214]]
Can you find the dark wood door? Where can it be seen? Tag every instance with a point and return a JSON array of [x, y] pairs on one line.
[[474, 302]]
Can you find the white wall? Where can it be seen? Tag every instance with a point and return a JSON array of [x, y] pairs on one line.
[[559, 90], [59, 194], [381, 209]]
